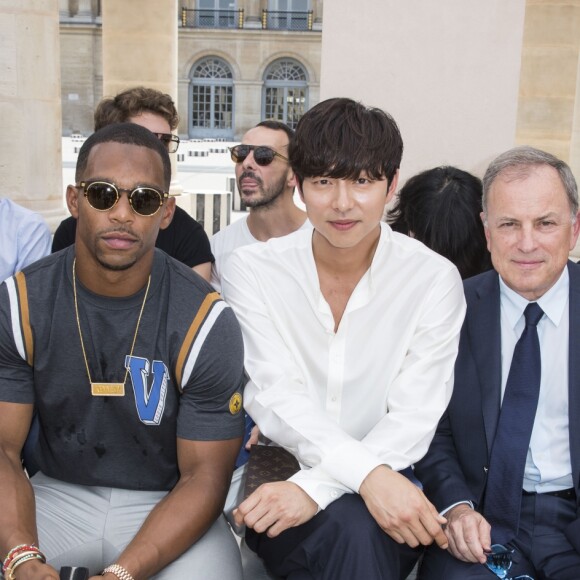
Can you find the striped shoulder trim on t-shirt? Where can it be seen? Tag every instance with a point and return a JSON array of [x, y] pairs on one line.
[[208, 313], [20, 316]]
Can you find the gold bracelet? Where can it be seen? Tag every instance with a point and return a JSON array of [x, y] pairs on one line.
[[24, 558], [118, 571]]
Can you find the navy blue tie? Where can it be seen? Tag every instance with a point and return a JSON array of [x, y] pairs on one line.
[[512, 439]]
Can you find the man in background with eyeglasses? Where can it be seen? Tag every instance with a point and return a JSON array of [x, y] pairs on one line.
[[504, 465], [184, 239], [135, 368], [266, 185]]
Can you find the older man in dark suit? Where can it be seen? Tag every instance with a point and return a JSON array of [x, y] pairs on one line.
[[504, 466]]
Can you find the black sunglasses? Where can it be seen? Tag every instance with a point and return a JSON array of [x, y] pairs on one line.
[[499, 561], [169, 140], [262, 155], [103, 196]]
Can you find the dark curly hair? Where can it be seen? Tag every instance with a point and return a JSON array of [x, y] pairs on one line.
[[133, 102]]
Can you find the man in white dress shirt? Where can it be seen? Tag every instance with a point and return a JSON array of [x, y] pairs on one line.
[[351, 333]]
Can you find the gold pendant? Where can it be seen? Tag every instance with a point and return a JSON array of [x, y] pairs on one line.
[[108, 389]]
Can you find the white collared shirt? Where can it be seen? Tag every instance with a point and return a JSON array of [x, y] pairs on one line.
[[224, 242], [548, 466], [370, 393]]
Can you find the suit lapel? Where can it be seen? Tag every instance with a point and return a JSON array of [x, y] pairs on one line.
[[574, 373], [485, 338]]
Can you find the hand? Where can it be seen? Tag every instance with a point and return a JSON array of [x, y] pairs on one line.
[[469, 534], [35, 570], [275, 507], [253, 439], [401, 509]]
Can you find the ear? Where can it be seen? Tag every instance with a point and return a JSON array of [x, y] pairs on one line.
[[169, 210], [72, 200], [575, 231], [291, 181], [392, 187], [483, 217]]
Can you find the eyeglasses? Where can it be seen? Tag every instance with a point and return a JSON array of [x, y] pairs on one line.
[[262, 155], [499, 561], [169, 140], [103, 196]]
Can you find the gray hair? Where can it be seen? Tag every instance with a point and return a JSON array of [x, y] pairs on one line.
[[518, 161]]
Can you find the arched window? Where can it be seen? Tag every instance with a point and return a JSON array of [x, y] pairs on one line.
[[285, 94], [211, 99]]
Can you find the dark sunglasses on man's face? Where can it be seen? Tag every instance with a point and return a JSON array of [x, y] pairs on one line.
[[103, 196], [262, 155], [169, 140]]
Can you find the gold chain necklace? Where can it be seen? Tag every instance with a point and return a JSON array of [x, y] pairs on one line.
[[106, 389]]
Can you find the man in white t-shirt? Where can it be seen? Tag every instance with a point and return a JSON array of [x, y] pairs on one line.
[[266, 184]]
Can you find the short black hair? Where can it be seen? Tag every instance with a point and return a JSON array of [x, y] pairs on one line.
[[441, 207], [130, 134], [276, 125], [342, 138]]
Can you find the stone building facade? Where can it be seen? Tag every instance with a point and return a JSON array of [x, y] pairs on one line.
[[239, 62]]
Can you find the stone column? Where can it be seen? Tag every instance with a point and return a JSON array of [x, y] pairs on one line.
[[140, 48], [139, 45], [30, 108]]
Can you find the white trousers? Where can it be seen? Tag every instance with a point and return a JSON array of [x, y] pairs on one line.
[[90, 526]]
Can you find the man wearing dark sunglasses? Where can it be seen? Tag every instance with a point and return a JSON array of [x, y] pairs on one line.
[[183, 239], [266, 185], [351, 333], [135, 369], [504, 464]]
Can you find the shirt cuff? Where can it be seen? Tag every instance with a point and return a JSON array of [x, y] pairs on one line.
[[447, 510], [321, 488], [350, 463]]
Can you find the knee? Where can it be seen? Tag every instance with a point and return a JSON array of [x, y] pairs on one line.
[[352, 525]]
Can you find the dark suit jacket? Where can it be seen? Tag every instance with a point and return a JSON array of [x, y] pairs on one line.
[[455, 467]]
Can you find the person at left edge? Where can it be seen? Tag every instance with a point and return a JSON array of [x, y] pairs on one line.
[[134, 366], [24, 237]]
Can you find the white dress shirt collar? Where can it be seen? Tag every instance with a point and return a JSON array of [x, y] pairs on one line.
[[553, 302]]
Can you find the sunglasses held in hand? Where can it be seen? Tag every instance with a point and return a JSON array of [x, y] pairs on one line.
[[499, 561], [103, 196], [263, 155]]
